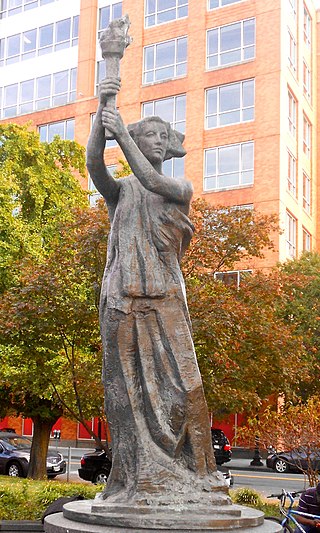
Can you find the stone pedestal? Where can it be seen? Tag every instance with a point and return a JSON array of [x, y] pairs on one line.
[[92, 517]]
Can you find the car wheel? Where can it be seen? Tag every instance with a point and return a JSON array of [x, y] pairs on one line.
[[14, 470], [281, 466], [100, 477]]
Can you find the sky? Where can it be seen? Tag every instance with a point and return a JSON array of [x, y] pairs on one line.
[[317, 3]]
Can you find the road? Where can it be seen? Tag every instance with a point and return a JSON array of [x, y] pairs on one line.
[[265, 482]]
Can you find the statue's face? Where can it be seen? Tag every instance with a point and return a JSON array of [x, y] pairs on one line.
[[153, 141]]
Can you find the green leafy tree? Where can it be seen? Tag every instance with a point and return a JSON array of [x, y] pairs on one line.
[[49, 332], [39, 187], [300, 282]]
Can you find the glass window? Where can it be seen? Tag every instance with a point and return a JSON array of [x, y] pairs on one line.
[[306, 243], [292, 177], [213, 4], [75, 30], [107, 14], [306, 193], [231, 44], [29, 44], [172, 110], [292, 115], [65, 129], [306, 136], [229, 166], [1, 51], [306, 81], [232, 277], [45, 39], [62, 34], [162, 11], [291, 235], [165, 60], [10, 100], [230, 104], [13, 48], [94, 194], [307, 27], [26, 96], [13, 7], [292, 53]]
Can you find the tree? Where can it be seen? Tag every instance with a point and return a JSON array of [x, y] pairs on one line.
[[300, 282], [39, 187], [240, 343], [291, 428]]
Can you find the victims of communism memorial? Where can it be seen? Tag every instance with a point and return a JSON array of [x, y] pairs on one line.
[[163, 477]]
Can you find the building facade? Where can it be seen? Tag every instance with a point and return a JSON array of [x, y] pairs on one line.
[[238, 77]]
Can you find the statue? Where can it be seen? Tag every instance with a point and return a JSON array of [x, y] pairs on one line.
[[155, 402], [163, 475]]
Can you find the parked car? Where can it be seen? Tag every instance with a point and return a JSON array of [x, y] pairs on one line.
[[95, 466], [15, 456], [293, 461]]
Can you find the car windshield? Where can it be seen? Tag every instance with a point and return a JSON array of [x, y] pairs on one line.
[[17, 443]]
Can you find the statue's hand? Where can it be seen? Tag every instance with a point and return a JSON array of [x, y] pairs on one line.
[[108, 87], [111, 119]]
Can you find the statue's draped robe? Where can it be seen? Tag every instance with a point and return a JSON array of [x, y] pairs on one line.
[[155, 403]]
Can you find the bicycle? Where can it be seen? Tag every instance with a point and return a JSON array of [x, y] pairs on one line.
[[289, 513]]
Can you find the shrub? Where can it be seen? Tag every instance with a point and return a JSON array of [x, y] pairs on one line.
[[246, 496], [25, 499]]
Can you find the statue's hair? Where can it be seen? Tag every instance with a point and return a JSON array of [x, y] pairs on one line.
[[175, 138]]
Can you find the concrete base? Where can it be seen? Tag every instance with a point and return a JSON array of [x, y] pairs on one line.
[[78, 517]]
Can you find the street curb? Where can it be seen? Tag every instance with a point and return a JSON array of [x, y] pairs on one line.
[[20, 526]]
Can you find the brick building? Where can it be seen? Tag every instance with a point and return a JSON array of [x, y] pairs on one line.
[[238, 77]]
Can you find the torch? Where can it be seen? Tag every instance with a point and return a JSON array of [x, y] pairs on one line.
[[113, 42]]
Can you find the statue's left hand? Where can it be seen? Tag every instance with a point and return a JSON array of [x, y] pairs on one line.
[[111, 119]]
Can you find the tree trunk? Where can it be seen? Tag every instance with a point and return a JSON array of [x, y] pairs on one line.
[[39, 448]]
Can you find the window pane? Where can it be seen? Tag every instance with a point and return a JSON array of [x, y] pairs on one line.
[[164, 108], [228, 159], [249, 32], [10, 95], [211, 168], [29, 40], [43, 86], [70, 130], [149, 57], [248, 93], [27, 88], [55, 129], [247, 156], [165, 53], [117, 11], [166, 16], [60, 82], [104, 17], [46, 35], [150, 7], [75, 27], [63, 30], [213, 41], [13, 44], [230, 97], [230, 37], [182, 49]]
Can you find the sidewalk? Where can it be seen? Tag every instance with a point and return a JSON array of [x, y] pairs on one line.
[[244, 464]]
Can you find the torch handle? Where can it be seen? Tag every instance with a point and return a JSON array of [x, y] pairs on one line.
[[112, 71]]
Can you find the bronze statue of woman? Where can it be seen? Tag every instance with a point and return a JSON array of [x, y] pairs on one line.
[[155, 404]]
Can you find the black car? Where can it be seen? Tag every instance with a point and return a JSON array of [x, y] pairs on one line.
[[296, 460], [95, 466], [15, 456]]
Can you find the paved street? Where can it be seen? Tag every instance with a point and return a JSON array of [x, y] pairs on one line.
[[261, 479]]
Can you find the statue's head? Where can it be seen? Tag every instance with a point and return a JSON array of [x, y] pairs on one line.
[[151, 132]]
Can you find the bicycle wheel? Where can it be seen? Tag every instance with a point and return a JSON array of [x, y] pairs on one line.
[[285, 529]]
